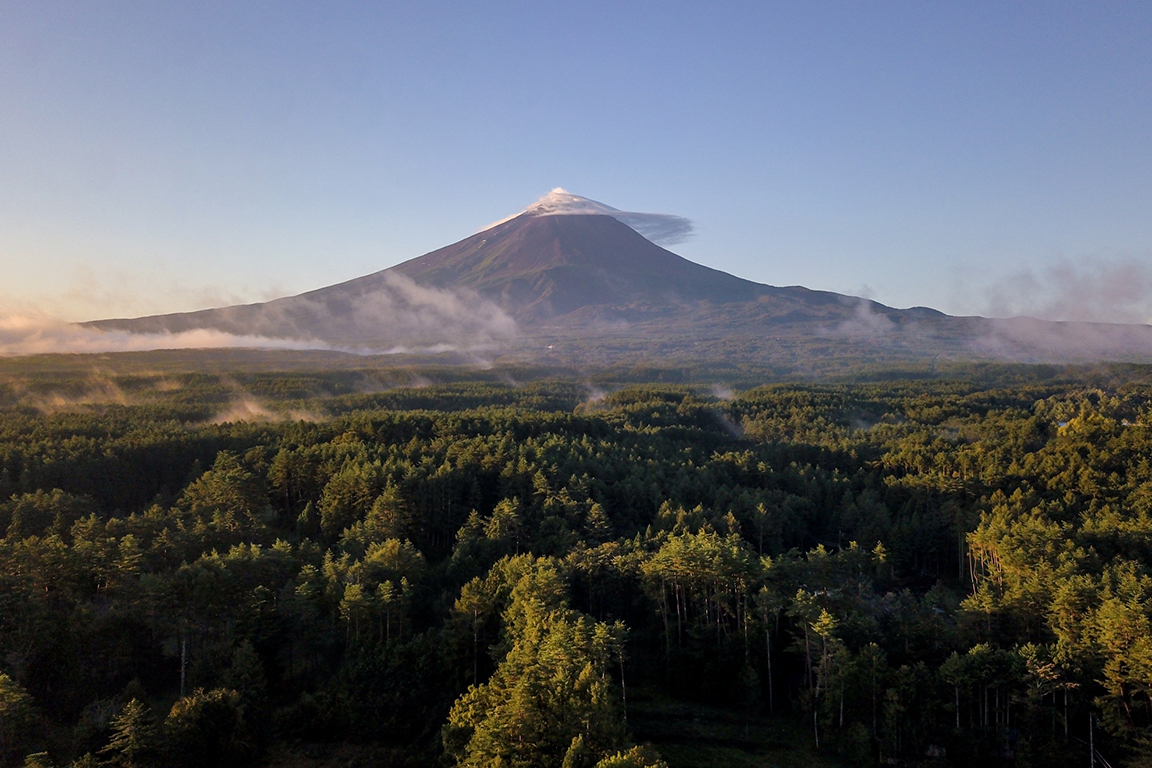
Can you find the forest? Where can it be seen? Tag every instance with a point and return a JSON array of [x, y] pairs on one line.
[[308, 568]]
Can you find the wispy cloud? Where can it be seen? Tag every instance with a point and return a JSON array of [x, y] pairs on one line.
[[1028, 340], [396, 316], [1020, 339], [1094, 290], [866, 322], [392, 313], [32, 333], [403, 312], [660, 228]]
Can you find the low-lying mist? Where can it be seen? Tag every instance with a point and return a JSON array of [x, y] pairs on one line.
[[1086, 290], [33, 333], [399, 316], [1018, 339]]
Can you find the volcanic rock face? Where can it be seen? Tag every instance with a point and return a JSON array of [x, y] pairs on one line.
[[579, 273]]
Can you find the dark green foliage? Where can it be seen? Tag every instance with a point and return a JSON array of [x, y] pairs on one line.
[[133, 742], [477, 570], [18, 719], [210, 728]]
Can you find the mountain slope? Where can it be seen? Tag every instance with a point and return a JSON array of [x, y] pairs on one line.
[[551, 270], [539, 267], [569, 273]]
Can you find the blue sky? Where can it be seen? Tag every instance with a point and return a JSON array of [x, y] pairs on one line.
[[976, 157]]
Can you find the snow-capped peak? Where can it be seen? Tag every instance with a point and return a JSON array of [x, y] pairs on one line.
[[560, 202], [660, 228]]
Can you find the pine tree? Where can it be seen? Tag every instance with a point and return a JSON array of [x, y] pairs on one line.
[[17, 716], [552, 686], [133, 736]]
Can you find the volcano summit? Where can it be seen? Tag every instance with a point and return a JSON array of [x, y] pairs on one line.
[[572, 276]]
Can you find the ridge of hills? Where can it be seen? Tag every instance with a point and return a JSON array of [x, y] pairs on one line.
[[581, 285]]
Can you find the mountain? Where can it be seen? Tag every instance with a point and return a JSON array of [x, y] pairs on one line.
[[574, 275], [542, 267]]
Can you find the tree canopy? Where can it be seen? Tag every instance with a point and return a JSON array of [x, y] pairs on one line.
[[482, 574]]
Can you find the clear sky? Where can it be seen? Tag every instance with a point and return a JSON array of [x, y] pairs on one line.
[[978, 157]]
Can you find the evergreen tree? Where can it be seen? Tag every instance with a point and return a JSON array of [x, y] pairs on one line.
[[17, 718], [133, 740], [552, 687]]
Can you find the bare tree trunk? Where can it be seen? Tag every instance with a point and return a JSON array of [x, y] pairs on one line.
[[183, 662], [623, 689], [667, 630], [768, 645], [1091, 742], [679, 618]]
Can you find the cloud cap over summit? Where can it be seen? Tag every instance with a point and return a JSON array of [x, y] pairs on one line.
[[660, 228]]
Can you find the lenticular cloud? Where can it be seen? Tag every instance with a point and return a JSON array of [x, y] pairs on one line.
[[660, 228]]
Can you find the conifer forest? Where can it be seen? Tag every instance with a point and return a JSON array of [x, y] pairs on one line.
[[943, 568]]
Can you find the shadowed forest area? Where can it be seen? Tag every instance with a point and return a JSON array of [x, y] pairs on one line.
[[409, 569]]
